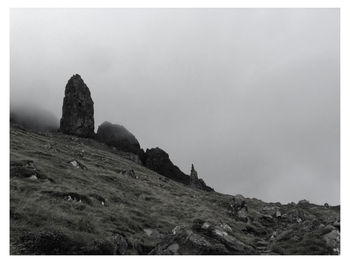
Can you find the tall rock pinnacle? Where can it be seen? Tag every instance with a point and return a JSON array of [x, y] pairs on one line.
[[78, 109], [193, 174]]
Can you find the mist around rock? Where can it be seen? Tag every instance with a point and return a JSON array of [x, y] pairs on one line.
[[32, 117]]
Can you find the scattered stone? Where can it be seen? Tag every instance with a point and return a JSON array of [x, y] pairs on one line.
[[33, 177], [175, 230], [148, 231], [220, 232], [274, 235], [212, 241], [205, 225], [78, 109], [77, 165], [278, 214], [225, 227], [82, 153], [123, 172], [132, 174]]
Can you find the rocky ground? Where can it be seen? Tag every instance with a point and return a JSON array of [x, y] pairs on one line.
[[70, 195]]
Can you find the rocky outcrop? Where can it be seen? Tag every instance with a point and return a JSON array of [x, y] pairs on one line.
[[158, 160], [119, 137], [198, 182], [78, 109], [202, 238], [239, 208]]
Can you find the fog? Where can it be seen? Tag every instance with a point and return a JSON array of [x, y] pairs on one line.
[[250, 96], [32, 117]]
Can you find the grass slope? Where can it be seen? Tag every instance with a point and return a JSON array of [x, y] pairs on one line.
[[67, 209]]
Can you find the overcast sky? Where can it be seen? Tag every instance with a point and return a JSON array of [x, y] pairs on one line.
[[250, 96]]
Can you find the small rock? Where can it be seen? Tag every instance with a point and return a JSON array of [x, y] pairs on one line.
[[274, 235], [225, 227], [132, 174], [148, 231], [175, 230], [33, 177], [205, 225], [278, 214], [220, 233], [78, 165], [75, 164], [295, 238]]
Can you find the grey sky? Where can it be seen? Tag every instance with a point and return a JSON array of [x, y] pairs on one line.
[[250, 96]]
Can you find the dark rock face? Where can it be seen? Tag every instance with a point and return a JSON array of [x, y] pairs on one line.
[[119, 137], [198, 182], [158, 160], [78, 109]]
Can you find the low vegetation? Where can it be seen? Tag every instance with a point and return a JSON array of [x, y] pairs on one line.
[[69, 196]]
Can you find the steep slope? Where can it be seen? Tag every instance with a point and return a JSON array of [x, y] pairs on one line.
[[71, 195]]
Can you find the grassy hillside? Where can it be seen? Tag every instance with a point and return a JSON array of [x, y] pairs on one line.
[[70, 195]]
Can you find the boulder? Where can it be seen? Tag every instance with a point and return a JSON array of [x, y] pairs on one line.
[[78, 109], [119, 137]]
